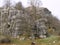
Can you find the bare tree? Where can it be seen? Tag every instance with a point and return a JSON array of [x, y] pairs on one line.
[[33, 13], [7, 3], [36, 3]]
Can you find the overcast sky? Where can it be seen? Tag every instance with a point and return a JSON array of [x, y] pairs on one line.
[[52, 5]]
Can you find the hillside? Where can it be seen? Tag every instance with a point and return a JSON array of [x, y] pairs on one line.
[[16, 22]]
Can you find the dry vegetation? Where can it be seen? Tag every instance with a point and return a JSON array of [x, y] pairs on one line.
[[53, 40]]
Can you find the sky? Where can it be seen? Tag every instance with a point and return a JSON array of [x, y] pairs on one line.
[[52, 5]]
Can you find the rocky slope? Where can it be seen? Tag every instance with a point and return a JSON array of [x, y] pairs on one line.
[[29, 21]]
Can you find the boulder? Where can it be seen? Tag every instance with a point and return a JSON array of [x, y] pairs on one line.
[[5, 40]]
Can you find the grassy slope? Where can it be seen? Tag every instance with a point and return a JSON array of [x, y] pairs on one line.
[[54, 40]]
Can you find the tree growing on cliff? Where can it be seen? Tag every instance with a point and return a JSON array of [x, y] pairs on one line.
[[19, 6]]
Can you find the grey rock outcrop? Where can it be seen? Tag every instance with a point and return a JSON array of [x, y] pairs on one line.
[[14, 22]]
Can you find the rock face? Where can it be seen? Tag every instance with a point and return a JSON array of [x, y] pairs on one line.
[[41, 28], [14, 22]]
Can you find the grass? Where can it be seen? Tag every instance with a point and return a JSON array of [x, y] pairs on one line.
[[53, 40]]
